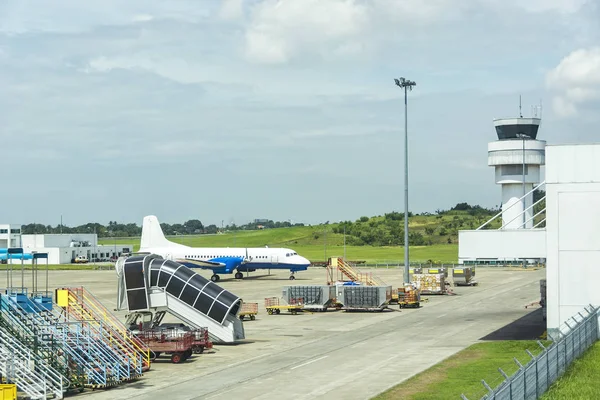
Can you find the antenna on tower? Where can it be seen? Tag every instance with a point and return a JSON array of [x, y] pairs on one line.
[[520, 113]]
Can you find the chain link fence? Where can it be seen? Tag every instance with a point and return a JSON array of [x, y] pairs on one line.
[[533, 378]]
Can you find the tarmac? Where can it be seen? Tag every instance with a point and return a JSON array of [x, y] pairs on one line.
[[324, 355]]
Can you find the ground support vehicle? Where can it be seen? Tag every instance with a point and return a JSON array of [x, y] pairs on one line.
[[248, 310], [274, 307], [178, 345]]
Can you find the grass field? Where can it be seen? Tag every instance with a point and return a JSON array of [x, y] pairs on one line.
[[311, 242], [462, 373], [580, 381], [42, 267]]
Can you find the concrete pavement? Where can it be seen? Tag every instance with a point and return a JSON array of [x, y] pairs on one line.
[[325, 355]]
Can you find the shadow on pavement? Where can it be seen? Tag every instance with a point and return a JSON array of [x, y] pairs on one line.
[[529, 327]]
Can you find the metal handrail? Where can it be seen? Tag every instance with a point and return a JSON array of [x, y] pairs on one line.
[[509, 207]]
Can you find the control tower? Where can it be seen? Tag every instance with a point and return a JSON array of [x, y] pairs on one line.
[[517, 156]]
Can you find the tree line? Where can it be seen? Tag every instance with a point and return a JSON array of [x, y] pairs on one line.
[[116, 229], [383, 230]]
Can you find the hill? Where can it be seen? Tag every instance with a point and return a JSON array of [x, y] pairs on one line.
[[379, 239]]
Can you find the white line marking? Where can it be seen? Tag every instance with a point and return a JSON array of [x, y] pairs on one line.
[[222, 393], [440, 316], [420, 323], [309, 362]]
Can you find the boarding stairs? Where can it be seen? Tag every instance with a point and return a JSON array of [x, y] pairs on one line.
[[344, 268], [28, 371], [84, 353], [80, 304]]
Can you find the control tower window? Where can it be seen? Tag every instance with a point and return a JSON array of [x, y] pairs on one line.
[[514, 170]]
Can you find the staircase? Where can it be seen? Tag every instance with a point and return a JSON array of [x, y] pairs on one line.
[[540, 215], [83, 306], [29, 372], [82, 354], [346, 269]]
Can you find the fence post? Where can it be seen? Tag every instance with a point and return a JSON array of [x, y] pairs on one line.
[[585, 327], [524, 377], [484, 383], [547, 364], [508, 380], [537, 385]]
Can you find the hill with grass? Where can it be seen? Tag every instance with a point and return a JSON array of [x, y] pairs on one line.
[[379, 239]]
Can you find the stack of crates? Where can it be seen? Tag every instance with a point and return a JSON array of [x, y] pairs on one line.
[[430, 283]]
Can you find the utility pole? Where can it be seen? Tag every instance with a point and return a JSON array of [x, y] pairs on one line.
[[523, 137], [406, 85]]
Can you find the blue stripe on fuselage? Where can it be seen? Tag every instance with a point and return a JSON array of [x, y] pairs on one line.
[[252, 267]]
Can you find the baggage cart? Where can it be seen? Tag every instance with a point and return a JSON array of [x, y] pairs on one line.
[[409, 297], [248, 310], [274, 307], [178, 345]]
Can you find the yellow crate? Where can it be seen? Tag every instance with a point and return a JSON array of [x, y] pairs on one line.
[[8, 392]]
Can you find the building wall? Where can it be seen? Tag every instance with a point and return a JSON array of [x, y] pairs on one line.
[[573, 230], [504, 245], [10, 235]]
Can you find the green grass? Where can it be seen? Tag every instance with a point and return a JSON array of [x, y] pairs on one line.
[[580, 381], [462, 373], [309, 242]]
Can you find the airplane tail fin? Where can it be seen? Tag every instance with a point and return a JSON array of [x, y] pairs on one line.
[[152, 234]]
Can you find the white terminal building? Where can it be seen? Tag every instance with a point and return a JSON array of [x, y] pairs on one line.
[[517, 157], [569, 241], [62, 248]]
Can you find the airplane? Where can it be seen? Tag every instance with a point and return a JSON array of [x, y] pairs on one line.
[[221, 260]]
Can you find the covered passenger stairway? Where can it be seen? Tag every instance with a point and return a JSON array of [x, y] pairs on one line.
[[520, 239], [151, 284]]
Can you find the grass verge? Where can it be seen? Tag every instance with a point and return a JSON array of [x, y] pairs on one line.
[[580, 381], [462, 373]]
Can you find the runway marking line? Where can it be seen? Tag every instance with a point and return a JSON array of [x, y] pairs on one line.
[[308, 362], [440, 316]]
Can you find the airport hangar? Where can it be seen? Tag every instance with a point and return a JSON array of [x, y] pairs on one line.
[[569, 244], [61, 248]]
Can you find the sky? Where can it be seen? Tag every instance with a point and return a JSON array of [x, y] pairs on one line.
[[282, 109]]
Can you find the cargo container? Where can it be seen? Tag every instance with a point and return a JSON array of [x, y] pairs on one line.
[[463, 276], [316, 297], [364, 297]]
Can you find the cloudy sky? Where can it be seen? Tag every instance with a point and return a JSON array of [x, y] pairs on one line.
[[282, 109]]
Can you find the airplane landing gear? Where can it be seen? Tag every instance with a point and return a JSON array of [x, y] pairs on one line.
[[239, 275], [215, 278], [292, 277]]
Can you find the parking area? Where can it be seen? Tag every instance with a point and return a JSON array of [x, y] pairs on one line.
[[320, 355]]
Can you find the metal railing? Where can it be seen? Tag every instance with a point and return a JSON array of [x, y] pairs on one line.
[[532, 379], [520, 215]]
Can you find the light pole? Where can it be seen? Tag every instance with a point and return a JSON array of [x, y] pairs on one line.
[[344, 242], [406, 85], [523, 137]]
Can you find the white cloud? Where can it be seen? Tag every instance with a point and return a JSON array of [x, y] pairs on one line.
[[575, 80], [143, 18], [282, 30], [232, 10]]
